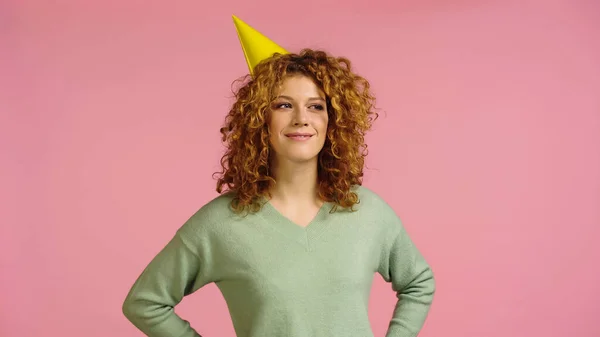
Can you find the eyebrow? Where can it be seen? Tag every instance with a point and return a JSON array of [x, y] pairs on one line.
[[310, 98]]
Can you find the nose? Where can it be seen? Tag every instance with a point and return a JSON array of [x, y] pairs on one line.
[[300, 116]]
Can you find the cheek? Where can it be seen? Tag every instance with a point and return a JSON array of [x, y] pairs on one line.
[[324, 123], [276, 125], [275, 129]]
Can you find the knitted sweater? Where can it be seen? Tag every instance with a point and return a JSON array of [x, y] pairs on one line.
[[281, 279]]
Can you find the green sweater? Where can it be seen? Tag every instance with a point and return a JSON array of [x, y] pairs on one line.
[[281, 279]]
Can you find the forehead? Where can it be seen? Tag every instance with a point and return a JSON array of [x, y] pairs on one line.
[[299, 85]]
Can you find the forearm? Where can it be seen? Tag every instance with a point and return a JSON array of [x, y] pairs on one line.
[[413, 283], [172, 274], [412, 307], [156, 320]]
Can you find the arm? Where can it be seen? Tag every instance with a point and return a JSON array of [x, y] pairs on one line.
[[176, 271], [413, 281]]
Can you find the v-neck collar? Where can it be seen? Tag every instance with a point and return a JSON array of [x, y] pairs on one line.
[[301, 234]]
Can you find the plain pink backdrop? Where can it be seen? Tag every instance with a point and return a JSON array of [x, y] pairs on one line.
[[488, 147]]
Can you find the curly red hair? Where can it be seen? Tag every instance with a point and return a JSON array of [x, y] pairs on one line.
[[350, 106]]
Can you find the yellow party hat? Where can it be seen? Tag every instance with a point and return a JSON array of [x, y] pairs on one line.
[[255, 45]]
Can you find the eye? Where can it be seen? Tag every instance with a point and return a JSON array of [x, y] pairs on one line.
[[318, 107], [283, 106]]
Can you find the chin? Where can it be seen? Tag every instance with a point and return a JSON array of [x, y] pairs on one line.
[[301, 158]]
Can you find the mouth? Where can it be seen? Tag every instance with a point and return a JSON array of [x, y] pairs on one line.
[[299, 136]]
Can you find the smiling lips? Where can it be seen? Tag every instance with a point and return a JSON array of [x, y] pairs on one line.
[[299, 136]]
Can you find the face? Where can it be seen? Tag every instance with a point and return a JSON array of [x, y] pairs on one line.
[[298, 120]]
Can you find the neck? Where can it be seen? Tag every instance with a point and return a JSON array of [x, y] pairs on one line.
[[295, 183]]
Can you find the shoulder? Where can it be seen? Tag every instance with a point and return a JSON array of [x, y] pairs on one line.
[[373, 205], [210, 216], [367, 195], [370, 199]]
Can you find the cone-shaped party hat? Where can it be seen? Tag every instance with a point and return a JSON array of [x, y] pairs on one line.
[[255, 45]]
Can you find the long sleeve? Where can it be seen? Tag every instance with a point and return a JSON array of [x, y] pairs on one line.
[[176, 271], [413, 281]]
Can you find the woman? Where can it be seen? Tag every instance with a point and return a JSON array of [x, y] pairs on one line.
[[294, 240]]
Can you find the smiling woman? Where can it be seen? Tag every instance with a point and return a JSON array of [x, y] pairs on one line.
[[307, 94], [294, 240], [298, 122]]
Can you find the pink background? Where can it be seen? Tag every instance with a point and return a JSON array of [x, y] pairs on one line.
[[487, 147]]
